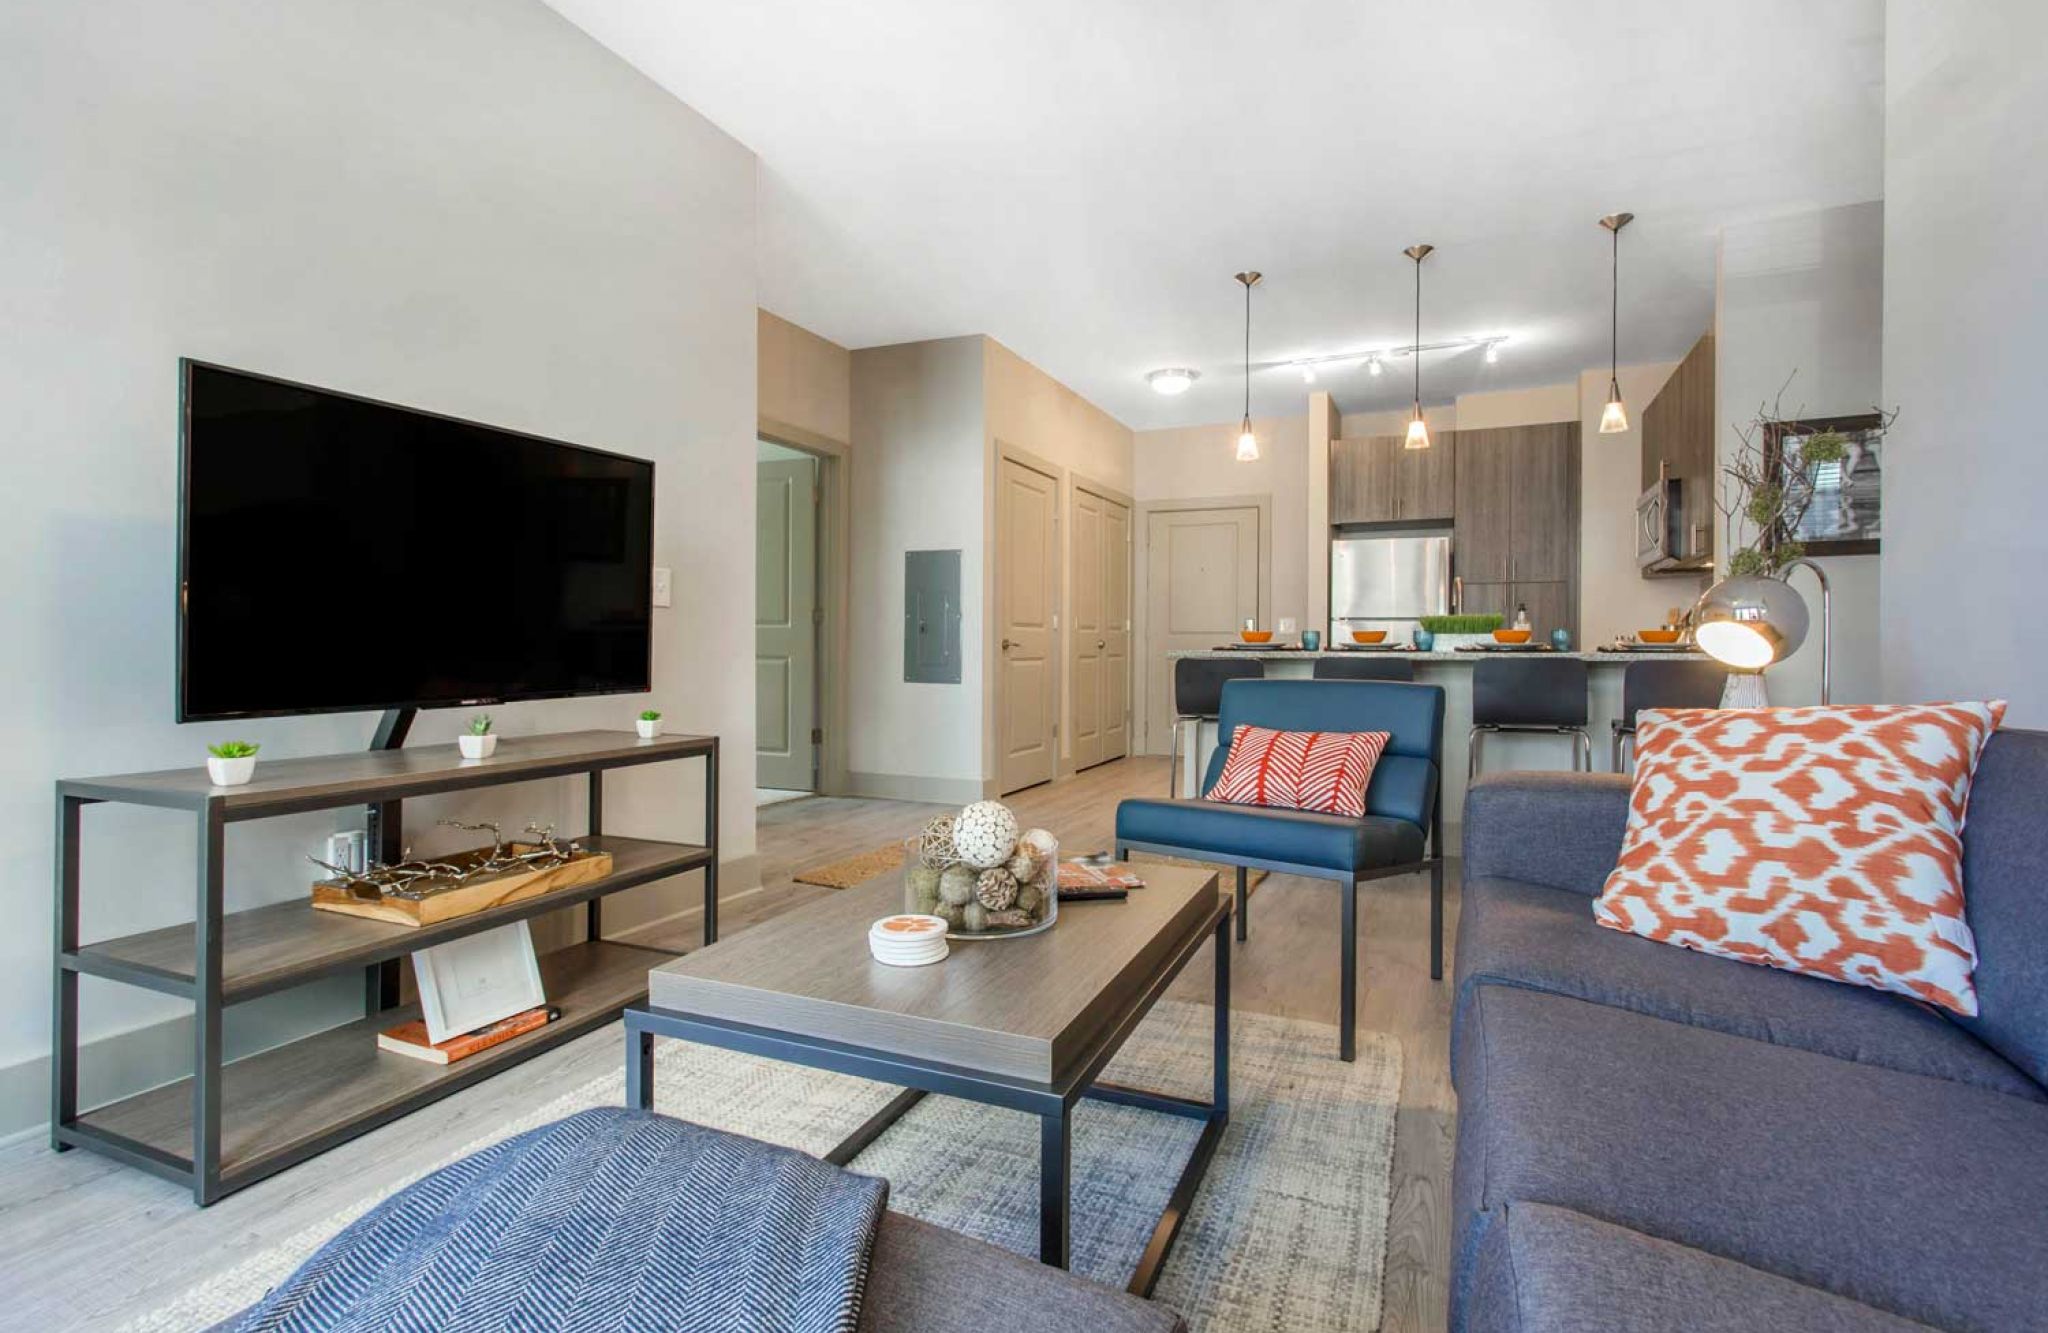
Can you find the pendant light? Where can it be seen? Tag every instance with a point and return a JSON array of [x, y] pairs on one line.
[[1247, 443], [1614, 418], [1418, 433]]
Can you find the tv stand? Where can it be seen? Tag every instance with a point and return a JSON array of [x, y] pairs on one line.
[[230, 1125]]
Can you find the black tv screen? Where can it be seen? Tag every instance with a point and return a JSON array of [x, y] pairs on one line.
[[336, 553]]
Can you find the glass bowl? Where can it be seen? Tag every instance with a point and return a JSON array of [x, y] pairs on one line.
[[992, 904]]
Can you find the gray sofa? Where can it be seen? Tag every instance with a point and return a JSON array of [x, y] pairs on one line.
[[1653, 1138]]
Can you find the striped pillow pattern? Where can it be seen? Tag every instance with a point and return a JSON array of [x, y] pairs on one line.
[[1826, 841], [1325, 771]]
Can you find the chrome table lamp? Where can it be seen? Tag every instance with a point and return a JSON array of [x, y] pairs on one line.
[[1752, 621]]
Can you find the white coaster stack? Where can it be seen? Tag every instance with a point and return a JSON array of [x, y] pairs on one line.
[[909, 940]]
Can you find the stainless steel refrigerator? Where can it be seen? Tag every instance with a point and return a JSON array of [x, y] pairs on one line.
[[1388, 583]]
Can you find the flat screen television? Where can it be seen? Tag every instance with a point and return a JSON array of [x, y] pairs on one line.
[[339, 554]]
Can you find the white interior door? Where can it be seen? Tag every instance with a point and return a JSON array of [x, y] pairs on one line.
[[785, 624], [1027, 518], [1201, 584], [1099, 662]]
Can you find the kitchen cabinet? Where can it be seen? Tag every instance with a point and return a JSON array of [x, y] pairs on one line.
[[1362, 486], [1378, 479], [1678, 435], [1425, 480], [1483, 511], [1517, 522]]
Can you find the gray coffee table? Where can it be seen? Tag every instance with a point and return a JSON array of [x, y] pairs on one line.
[[1026, 1023]]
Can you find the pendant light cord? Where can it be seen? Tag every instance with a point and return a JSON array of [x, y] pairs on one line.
[[1417, 350], [1247, 356], [1614, 315]]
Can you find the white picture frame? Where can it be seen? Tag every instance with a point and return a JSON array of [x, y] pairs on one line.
[[478, 979]]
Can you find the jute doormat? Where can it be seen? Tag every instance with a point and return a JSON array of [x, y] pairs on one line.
[[852, 870], [855, 870]]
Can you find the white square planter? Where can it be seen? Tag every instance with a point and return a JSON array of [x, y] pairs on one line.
[[477, 747], [230, 772], [648, 730]]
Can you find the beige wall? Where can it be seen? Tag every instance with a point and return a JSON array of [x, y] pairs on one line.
[[1613, 597], [803, 383], [918, 426], [1200, 462], [1029, 410]]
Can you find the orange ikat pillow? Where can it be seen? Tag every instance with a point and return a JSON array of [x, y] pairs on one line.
[[1819, 840]]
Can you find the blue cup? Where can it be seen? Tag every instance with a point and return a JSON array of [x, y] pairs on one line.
[[1424, 640], [1312, 639], [1561, 639]]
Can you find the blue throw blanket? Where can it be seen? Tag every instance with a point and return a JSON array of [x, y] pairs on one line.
[[608, 1220]]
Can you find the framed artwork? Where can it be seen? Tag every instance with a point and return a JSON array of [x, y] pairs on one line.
[[477, 979], [1845, 515]]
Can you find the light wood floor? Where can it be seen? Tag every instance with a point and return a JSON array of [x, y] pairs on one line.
[[85, 1243]]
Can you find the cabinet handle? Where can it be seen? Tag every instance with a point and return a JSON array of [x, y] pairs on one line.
[[1458, 594]]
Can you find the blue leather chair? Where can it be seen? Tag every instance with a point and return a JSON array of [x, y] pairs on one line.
[[1399, 834]]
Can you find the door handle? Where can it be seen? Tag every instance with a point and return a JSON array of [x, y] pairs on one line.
[[1007, 645], [1458, 593], [1102, 643]]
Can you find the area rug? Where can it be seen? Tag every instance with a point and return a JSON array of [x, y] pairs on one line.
[[853, 870], [1289, 1230]]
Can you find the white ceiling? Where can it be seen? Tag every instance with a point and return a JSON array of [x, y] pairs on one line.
[[1080, 178]]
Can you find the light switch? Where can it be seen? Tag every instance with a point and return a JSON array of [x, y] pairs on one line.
[[661, 586]]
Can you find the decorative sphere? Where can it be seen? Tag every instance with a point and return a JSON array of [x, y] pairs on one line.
[[996, 889], [1026, 862], [956, 885], [1029, 898], [1043, 842], [974, 917], [935, 844], [985, 834]]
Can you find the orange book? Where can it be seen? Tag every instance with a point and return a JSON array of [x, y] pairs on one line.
[[1115, 875], [411, 1038]]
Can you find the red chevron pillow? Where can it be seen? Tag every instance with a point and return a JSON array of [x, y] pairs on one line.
[[1299, 770], [1819, 840]]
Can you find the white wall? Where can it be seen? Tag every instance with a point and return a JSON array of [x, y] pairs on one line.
[[1965, 344], [919, 482], [461, 204], [1802, 297]]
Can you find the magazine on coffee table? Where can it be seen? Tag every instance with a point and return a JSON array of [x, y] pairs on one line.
[[1115, 875]]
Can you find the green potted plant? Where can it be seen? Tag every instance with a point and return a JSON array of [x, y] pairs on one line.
[[479, 741], [231, 763], [649, 723], [1454, 631]]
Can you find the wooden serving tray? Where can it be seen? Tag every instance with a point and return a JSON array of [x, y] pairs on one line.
[[475, 896]]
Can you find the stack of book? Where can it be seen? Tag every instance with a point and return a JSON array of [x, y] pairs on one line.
[[411, 1038]]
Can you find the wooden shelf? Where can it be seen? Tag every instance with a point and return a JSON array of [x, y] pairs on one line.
[[284, 944], [287, 786], [285, 1104]]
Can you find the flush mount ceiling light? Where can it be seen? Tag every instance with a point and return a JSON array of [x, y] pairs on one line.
[[1374, 365], [1418, 433], [1308, 371], [1247, 443], [1172, 381], [1614, 417]]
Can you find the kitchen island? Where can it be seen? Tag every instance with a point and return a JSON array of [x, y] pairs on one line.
[[1452, 669]]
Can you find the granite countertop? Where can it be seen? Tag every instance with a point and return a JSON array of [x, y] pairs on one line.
[[1443, 656]]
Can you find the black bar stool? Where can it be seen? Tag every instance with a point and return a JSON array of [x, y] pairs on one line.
[[1682, 683], [1358, 666], [1536, 694], [1198, 697]]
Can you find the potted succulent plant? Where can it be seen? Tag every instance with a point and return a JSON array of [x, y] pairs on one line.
[[479, 740], [649, 724], [231, 763]]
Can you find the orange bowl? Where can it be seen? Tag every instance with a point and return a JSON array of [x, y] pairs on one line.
[[1256, 635], [1511, 636], [1368, 635], [1657, 635]]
